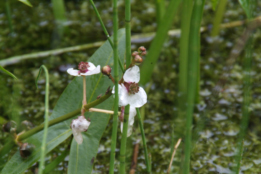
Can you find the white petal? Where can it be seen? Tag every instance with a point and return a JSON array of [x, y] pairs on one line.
[[129, 131], [82, 124], [73, 72], [137, 100], [132, 74], [77, 136], [96, 70], [92, 66], [132, 115], [123, 94]]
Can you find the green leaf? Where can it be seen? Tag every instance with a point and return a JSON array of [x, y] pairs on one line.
[[26, 2], [70, 100], [248, 6], [214, 4], [83, 155], [7, 72]]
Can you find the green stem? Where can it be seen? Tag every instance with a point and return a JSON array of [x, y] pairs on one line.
[[160, 10], [46, 115], [116, 79], [218, 17], [63, 118], [193, 66], [9, 17], [59, 15], [183, 67], [124, 140], [144, 142], [127, 108], [105, 31]]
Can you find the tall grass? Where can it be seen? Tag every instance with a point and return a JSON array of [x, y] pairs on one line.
[[193, 69]]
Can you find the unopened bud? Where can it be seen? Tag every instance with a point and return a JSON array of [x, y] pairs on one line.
[[138, 60], [141, 49], [144, 53], [9, 127], [26, 150], [135, 53], [106, 70]]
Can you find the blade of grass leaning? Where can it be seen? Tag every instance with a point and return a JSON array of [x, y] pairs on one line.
[[116, 80], [218, 17], [26, 2], [247, 65], [157, 43], [147, 160], [127, 108], [7, 72], [105, 31], [46, 116], [193, 66]]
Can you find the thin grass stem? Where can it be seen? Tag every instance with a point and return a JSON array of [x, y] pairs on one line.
[[46, 115], [127, 108], [116, 79], [148, 165], [105, 31]]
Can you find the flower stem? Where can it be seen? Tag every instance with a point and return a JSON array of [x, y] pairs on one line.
[[62, 118], [116, 79], [84, 101], [124, 140], [148, 165], [105, 31], [103, 111], [127, 108]]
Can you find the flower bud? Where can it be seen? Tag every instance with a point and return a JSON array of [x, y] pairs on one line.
[[144, 53], [135, 53], [138, 60], [26, 150], [9, 127], [141, 49], [106, 70]]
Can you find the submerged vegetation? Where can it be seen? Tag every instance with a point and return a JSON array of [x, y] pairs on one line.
[[202, 80]]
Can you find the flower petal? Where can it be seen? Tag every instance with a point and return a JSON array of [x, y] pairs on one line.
[[132, 74], [132, 114], [96, 70], [73, 72], [129, 131], [122, 95], [91, 66], [137, 100]]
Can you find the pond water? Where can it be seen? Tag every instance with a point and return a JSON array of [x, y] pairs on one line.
[[216, 121]]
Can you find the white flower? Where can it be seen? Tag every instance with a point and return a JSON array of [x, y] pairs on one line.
[[130, 93], [132, 114], [85, 69], [79, 125]]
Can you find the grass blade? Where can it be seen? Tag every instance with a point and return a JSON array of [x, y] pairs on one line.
[[157, 43], [46, 115], [7, 72], [193, 69]]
